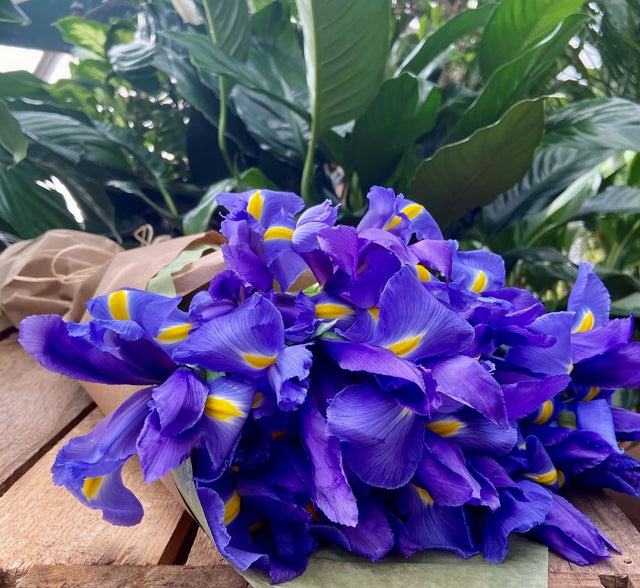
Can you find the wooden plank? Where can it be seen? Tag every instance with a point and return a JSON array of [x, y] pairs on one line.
[[619, 571], [125, 576], [41, 524], [204, 552], [36, 407]]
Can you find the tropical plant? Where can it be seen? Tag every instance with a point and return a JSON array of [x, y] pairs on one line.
[[332, 114]]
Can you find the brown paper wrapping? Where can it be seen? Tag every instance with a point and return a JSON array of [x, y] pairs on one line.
[[53, 274]]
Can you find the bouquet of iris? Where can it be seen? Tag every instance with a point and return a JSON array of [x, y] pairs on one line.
[[406, 400]]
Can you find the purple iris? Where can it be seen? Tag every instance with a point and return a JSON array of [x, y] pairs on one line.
[[408, 399]]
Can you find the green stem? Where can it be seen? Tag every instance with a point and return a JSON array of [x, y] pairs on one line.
[[222, 116], [613, 259], [306, 188], [171, 205]]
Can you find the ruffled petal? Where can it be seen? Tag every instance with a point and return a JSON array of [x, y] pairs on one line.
[[619, 368], [589, 299], [381, 440]]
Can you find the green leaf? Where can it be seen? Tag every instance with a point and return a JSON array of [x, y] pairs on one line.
[[518, 79], [345, 49], [22, 84], [228, 22], [613, 200], [625, 306], [611, 123], [28, 206], [197, 219], [211, 62], [516, 26], [85, 33], [430, 47], [11, 137], [405, 108], [553, 169], [71, 138], [9, 12], [275, 56], [126, 57], [255, 178], [473, 172]]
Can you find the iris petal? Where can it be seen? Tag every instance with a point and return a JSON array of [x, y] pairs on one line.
[[589, 299], [382, 441]]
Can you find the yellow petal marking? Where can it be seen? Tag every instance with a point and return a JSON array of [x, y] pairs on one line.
[[561, 479], [404, 346], [374, 311], [412, 210], [445, 427], [174, 334], [394, 222], [330, 310], [544, 413], [254, 206], [117, 302], [278, 434], [423, 273], [547, 479], [480, 283], [231, 509], [278, 233], [593, 392], [257, 400], [259, 362], [221, 409], [312, 510], [586, 324], [424, 494], [91, 486]]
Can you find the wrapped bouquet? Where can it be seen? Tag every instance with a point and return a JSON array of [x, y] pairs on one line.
[[405, 400]]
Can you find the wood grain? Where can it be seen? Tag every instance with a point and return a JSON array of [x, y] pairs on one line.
[[125, 576], [41, 524], [204, 552], [36, 406], [621, 570]]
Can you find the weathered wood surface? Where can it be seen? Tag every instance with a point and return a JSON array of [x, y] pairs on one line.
[[47, 538], [36, 407]]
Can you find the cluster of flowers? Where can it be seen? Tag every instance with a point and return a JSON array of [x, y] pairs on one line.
[[406, 400]]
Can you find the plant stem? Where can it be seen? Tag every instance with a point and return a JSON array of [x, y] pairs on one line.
[[171, 205], [222, 83], [306, 187]]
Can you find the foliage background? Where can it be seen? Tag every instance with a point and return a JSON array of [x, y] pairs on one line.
[[515, 122]]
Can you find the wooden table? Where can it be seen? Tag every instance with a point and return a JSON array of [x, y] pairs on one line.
[[47, 538]]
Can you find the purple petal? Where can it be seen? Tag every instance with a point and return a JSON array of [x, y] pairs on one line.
[[478, 270], [465, 380], [414, 325], [382, 208], [595, 416], [78, 350], [262, 205], [525, 395], [600, 340], [372, 537], [247, 265], [247, 341], [360, 357], [333, 494], [626, 424], [517, 514], [341, 245], [312, 220], [381, 440], [619, 368], [589, 299], [436, 254]]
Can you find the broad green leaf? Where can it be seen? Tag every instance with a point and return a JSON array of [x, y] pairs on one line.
[[430, 47], [135, 190], [553, 169], [275, 56], [197, 219], [613, 200], [345, 49], [22, 84], [627, 305], [9, 12], [518, 79], [255, 178], [211, 62], [516, 26], [405, 108], [28, 206], [11, 137], [71, 138], [85, 33], [473, 172], [228, 22], [611, 123], [138, 54]]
